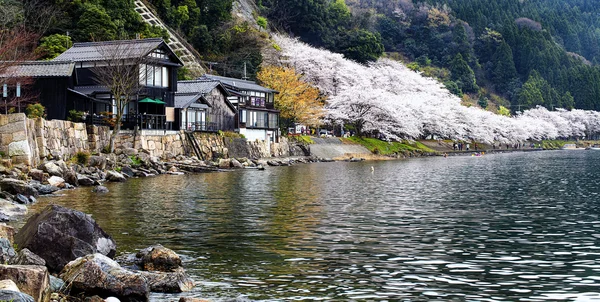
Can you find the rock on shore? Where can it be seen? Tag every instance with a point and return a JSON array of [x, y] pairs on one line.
[[59, 235]]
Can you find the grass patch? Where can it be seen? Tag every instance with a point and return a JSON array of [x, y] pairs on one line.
[[136, 161], [378, 146], [303, 139], [554, 144]]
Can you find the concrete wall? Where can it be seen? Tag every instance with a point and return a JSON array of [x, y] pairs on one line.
[[27, 141]]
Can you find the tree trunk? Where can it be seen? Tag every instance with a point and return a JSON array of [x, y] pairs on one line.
[[116, 130]]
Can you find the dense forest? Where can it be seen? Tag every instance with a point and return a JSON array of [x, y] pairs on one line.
[[514, 53]]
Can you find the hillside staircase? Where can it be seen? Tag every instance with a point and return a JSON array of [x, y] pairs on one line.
[[185, 51]]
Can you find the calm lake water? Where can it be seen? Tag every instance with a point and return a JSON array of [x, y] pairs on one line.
[[506, 227]]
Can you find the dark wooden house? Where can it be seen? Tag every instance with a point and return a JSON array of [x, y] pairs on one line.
[[44, 82], [203, 105], [152, 107], [256, 118]]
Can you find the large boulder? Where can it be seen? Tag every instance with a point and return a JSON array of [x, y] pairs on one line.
[[7, 232], [172, 282], [98, 162], [98, 275], [83, 180], [14, 296], [115, 176], [71, 178], [31, 279], [27, 257], [38, 175], [10, 211], [6, 251], [56, 181], [59, 235], [52, 169], [15, 186], [158, 258]]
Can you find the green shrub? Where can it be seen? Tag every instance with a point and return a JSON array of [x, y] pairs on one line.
[[136, 161], [82, 158], [75, 116], [35, 110], [106, 149], [262, 22]]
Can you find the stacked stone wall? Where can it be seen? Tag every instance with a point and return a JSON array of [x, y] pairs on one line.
[[28, 141]]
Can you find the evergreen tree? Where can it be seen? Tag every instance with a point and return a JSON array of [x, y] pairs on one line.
[[462, 74]]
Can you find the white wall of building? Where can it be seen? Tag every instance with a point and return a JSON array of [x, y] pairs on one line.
[[254, 134]]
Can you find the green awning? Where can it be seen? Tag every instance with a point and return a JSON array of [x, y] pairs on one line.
[[152, 101]]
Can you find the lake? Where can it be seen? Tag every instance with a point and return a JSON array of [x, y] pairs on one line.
[[499, 227]]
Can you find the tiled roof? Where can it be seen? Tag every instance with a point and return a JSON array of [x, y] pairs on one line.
[[236, 83], [184, 100], [89, 90], [196, 86], [97, 51], [40, 69]]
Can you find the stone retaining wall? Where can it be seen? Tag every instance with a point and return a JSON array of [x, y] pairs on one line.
[[27, 141]]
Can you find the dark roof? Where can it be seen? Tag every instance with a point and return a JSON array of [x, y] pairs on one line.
[[89, 90], [237, 83], [183, 100], [39, 69], [196, 86], [92, 51]]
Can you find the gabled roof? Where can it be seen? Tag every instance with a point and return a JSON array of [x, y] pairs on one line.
[[234, 83], [39, 69], [93, 51], [198, 88]]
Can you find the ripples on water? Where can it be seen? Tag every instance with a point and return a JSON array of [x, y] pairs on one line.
[[494, 228]]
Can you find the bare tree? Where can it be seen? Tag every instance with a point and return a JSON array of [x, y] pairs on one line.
[[120, 70]]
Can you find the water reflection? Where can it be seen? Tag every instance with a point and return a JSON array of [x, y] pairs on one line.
[[502, 228]]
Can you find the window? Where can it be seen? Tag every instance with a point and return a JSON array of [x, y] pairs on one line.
[[157, 77], [165, 77], [273, 120], [243, 116]]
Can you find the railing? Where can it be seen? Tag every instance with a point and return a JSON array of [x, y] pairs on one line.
[[129, 121], [223, 123]]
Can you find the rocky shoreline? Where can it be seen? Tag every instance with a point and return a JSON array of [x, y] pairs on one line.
[[63, 255]]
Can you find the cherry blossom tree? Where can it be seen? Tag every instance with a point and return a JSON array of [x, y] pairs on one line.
[[387, 98]]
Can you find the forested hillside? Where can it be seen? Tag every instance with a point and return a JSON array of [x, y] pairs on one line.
[[515, 53], [529, 52]]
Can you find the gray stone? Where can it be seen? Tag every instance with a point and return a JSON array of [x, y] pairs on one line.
[[127, 171], [236, 164], [9, 285], [56, 181], [97, 274], [31, 279], [83, 180], [6, 250], [11, 211], [27, 257], [52, 169], [22, 199], [32, 199], [59, 235], [13, 296], [38, 175], [57, 285], [20, 148], [98, 162], [171, 282], [7, 232], [115, 176], [15, 186], [47, 189], [71, 178], [130, 151], [224, 163], [100, 189], [158, 258]]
